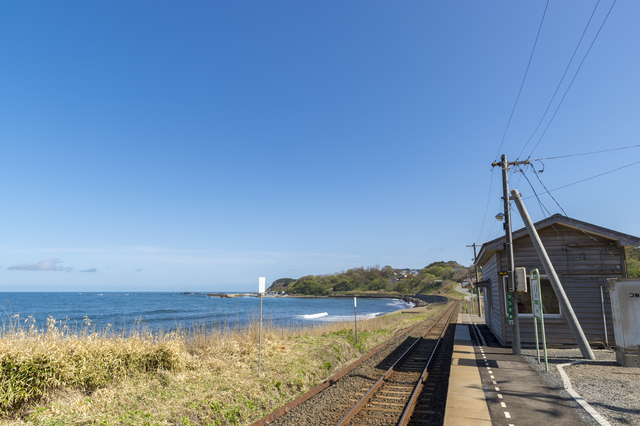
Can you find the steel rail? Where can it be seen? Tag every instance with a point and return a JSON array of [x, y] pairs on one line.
[[269, 418], [408, 411], [370, 393]]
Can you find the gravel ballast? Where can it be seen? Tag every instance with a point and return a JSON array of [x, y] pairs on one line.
[[612, 390]]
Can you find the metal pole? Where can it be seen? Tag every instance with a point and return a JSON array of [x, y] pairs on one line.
[[515, 327], [604, 318], [567, 310], [355, 318], [260, 350], [475, 257]]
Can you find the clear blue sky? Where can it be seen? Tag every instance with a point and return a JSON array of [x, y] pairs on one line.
[[195, 146]]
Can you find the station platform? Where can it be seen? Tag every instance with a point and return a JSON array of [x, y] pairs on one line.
[[488, 385]]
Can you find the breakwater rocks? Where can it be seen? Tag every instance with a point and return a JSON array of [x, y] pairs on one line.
[[219, 295], [416, 302]]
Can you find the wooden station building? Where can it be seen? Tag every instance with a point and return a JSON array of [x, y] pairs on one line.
[[584, 257]]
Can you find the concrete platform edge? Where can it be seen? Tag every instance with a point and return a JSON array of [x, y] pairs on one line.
[[466, 401]]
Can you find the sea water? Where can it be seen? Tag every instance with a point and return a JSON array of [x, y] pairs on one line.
[[168, 311]]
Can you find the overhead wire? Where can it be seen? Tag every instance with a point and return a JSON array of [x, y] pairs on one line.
[[486, 209], [504, 135], [572, 80], [540, 203], [561, 79], [523, 80], [587, 153], [548, 191], [558, 204]]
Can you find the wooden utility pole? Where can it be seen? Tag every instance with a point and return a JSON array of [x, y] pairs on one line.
[[515, 327], [475, 257]]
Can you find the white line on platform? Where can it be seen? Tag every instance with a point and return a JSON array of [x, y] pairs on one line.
[[577, 397], [500, 396], [503, 405], [507, 415], [497, 389], [479, 334]]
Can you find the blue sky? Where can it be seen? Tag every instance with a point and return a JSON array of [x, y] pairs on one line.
[[195, 146]]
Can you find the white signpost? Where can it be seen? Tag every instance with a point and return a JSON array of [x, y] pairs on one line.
[[355, 318], [261, 282], [536, 304]]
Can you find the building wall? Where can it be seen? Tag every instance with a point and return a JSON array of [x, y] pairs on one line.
[[583, 265], [493, 313]]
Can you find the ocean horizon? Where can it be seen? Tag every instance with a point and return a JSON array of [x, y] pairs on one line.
[[121, 311]]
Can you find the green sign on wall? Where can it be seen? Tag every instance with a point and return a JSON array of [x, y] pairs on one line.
[[510, 307]]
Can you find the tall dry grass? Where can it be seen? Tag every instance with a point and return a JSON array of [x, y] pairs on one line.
[[35, 361], [203, 375]]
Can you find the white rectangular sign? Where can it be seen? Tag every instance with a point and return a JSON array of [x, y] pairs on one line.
[[535, 297], [354, 302], [261, 282]]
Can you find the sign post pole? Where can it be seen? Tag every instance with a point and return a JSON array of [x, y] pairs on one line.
[[536, 303], [535, 300], [261, 282], [355, 318]]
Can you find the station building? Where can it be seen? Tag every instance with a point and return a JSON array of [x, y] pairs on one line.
[[584, 256]]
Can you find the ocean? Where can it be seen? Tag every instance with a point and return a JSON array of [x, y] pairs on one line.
[[168, 311]]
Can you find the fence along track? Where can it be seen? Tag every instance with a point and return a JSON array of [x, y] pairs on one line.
[[393, 398]]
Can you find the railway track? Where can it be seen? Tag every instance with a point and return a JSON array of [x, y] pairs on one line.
[[393, 399], [406, 386]]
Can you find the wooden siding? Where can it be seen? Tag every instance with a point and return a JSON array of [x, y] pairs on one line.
[[493, 313], [583, 265]]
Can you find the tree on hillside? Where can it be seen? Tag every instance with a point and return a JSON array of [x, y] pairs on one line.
[[375, 278], [633, 262]]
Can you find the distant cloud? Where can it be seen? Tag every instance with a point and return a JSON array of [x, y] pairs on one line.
[[139, 269], [90, 270], [44, 265]]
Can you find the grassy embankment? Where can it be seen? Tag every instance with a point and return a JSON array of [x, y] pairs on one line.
[[202, 376]]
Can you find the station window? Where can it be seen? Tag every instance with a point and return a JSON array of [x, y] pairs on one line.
[[550, 304]]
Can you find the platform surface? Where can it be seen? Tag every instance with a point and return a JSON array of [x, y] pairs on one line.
[[491, 386]]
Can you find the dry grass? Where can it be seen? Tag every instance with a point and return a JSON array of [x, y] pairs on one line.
[[202, 376]]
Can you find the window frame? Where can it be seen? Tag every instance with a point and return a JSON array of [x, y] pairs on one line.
[[530, 315]]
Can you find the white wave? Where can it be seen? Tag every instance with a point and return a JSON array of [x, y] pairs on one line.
[[401, 304], [343, 318], [314, 316]]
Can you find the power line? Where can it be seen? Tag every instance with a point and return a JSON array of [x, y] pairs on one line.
[[562, 79], [542, 206], [487, 206], [548, 191], [573, 79], [587, 153], [523, 80], [558, 204]]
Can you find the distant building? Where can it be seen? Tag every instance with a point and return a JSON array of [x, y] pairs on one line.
[[584, 257]]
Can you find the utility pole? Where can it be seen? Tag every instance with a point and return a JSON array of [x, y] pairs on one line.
[[515, 327], [475, 257]]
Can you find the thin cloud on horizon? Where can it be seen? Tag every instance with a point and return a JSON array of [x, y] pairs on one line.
[[43, 265]]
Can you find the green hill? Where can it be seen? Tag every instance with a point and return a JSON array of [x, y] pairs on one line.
[[427, 280]]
